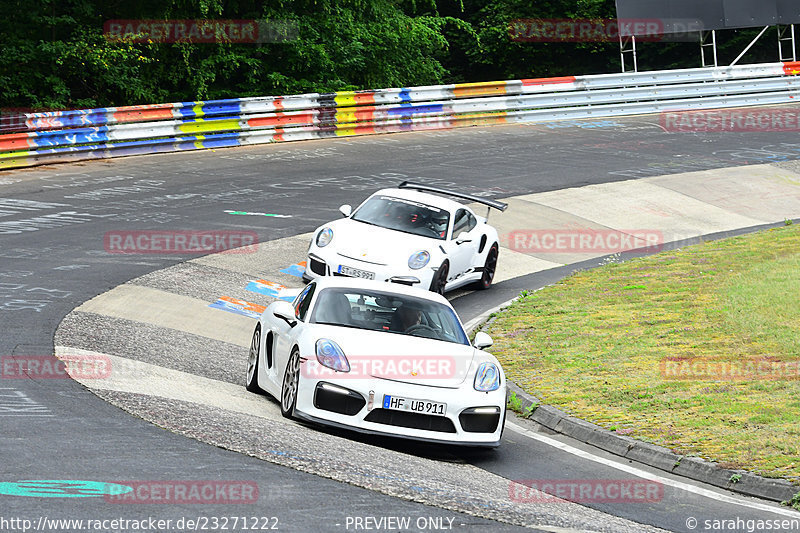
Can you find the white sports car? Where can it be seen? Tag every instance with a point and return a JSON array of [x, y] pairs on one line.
[[378, 358], [409, 236]]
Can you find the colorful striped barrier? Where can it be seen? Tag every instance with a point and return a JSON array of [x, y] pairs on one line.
[[75, 135]]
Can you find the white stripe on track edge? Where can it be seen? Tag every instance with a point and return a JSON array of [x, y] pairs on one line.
[[638, 472]]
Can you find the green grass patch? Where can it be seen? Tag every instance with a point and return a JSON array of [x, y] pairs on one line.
[[697, 349]]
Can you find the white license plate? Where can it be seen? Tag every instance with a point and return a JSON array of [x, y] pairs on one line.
[[355, 273], [415, 406]]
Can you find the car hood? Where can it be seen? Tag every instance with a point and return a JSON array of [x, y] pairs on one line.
[[403, 358], [365, 242]]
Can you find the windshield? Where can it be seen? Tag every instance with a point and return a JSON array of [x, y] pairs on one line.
[[392, 313], [404, 215]]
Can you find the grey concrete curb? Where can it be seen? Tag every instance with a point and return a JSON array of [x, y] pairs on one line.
[[652, 455], [642, 452]]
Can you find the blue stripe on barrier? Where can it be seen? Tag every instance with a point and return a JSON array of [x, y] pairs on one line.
[[76, 136], [409, 109], [221, 140], [404, 95]]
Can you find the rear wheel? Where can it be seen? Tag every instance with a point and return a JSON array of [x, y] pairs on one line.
[[251, 384], [291, 381], [489, 268], [440, 278]]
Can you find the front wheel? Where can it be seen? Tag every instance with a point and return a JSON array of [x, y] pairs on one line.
[[489, 268], [251, 384], [291, 382]]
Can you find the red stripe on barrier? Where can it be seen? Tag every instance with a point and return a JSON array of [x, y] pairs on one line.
[[548, 81], [141, 113], [365, 98], [14, 141], [281, 119], [791, 68]]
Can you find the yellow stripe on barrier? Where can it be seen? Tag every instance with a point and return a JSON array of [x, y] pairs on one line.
[[479, 89], [346, 116], [205, 126], [197, 109], [15, 159], [345, 98]]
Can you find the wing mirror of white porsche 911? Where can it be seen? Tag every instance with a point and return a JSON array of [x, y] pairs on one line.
[[284, 311], [462, 238], [482, 340], [346, 210]]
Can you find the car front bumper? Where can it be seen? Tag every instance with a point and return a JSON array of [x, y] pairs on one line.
[[329, 263], [460, 424]]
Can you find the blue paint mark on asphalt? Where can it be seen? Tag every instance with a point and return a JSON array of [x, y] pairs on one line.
[[294, 270], [62, 488], [260, 288], [231, 308]]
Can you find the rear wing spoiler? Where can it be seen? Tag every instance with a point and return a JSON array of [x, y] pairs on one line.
[[501, 206]]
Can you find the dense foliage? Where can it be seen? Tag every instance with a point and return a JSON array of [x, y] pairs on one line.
[[55, 54]]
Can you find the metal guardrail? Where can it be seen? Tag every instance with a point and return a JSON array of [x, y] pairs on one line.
[[61, 136]]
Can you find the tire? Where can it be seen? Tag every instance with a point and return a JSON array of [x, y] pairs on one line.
[[291, 381], [251, 380], [489, 268], [440, 278]]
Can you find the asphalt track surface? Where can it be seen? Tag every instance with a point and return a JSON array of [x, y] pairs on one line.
[[67, 433]]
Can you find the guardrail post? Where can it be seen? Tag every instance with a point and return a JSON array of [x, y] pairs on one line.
[[783, 38], [627, 45], [705, 44]]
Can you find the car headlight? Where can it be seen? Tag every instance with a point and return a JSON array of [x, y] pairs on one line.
[[487, 378], [329, 354], [324, 237], [418, 260]]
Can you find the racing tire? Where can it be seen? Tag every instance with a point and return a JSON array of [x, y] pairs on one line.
[[440, 278], [291, 382], [251, 383], [489, 268]]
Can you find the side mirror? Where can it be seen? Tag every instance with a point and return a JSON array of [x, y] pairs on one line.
[[346, 210], [284, 310], [482, 340], [462, 238]]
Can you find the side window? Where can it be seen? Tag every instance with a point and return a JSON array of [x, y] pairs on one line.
[[472, 221], [303, 301], [461, 222]]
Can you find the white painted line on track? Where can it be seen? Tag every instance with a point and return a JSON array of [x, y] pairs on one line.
[[638, 472]]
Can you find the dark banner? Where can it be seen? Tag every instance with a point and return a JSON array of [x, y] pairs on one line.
[[681, 16]]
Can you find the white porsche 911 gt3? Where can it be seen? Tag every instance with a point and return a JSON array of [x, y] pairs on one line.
[[378, 358], [409, 236]]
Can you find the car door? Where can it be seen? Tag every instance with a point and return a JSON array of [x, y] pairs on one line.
[[462, 252], [286, 334]]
